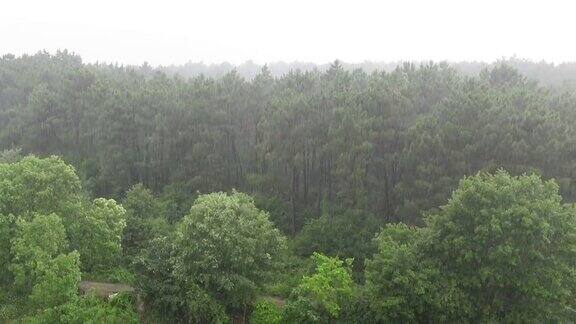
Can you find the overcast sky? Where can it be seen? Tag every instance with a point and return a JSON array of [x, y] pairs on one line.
[[174, 32]]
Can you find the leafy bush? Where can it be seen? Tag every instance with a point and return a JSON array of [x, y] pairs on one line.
[[265, 312], [321, 296], [9, 312], [346, 235], [292, 269], [114, 275], [88, 310]]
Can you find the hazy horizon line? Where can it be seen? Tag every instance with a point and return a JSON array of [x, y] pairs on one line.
[[191, 61]]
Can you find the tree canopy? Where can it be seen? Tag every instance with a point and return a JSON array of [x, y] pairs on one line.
[[501, 250], [227, 247], [50, 233], [390, 143], [429, 192]]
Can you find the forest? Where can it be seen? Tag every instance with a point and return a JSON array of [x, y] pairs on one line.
[[414, 193]]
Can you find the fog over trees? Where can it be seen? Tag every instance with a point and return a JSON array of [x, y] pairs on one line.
[[374, 192], [542, 71]]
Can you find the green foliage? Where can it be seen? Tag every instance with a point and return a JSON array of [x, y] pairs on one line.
[[97, 235], [502, 250], [86, 310], [391, 144], [35, 185], [118, 274], [169, 298], [34, 245], [143, 219], [58, 282], [493, 229], [227, 247], [289, 275], [321, 150], [121, 275], [45, 207], [6, 233], [346, 235], [11, 156], [123, 300], [39, 266], [29, 188], [8, 312], [278, 211], [140, 202], [265, 312], [202, 307], [11, 306], [319, 298], [175, 201], [404, 285], [163, 294]]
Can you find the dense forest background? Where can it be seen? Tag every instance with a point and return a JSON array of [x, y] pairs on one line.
[[326, 141], [332, 154]]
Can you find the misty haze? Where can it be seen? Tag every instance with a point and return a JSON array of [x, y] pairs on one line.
[[303, 162]]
